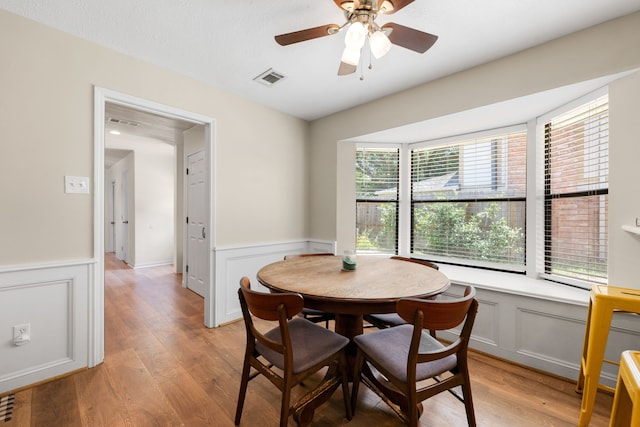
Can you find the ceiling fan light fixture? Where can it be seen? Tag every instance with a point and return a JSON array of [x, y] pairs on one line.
[[360, 26], [356, 35], [386, 7], [379, 44], [348, 5], [351, 55]]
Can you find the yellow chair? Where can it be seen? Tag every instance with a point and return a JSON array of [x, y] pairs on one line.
[[604, 301], [626, 403]]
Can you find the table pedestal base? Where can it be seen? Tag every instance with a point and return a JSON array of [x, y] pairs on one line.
[[349, 325]]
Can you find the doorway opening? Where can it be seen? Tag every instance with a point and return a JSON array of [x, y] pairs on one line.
[[175, 121]]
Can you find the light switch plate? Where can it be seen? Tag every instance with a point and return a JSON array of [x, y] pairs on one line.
[[76, 184]]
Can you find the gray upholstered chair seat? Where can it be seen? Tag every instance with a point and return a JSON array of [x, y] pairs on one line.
[[391, 349], [389, 320], [394, 362], [310, 344], [313, 311], [382, 320]]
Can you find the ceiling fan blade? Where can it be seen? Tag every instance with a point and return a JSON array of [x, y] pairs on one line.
[[345, 69], [308, 34], [397, 5], [410, 38]]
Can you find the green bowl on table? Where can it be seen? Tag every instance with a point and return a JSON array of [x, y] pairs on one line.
[[348, 265]]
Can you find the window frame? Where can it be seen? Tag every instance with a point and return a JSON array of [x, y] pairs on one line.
[[397, 201], [541, 194], [483, 134]]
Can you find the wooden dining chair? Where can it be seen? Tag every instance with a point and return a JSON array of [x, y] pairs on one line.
[[405, 365], [311, 314], [388, 320], [290, 352]]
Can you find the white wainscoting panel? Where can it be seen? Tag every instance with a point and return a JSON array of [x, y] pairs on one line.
[[535, 324], [232, 263], [487, 327], [538, 334], [53, 300], [544, 334]]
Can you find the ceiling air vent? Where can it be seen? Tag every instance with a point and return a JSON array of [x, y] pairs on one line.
[[122, 122], [269, 77]]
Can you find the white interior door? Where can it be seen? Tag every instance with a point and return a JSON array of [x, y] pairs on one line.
[[196, 263]]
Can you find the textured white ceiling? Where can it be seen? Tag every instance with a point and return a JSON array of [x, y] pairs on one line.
[[228, 43]]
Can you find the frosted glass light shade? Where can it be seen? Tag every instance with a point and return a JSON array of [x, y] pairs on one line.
[[356, 35], [379, 43]]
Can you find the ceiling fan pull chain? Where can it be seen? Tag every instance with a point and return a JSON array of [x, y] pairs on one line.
[[362, 68]]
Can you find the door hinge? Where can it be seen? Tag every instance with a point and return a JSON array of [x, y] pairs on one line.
[[187, 269], [187, 171], [187, 220]]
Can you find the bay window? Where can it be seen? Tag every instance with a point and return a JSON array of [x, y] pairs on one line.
[[463, 200]]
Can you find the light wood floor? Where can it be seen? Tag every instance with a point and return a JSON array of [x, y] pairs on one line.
[[164, 368]]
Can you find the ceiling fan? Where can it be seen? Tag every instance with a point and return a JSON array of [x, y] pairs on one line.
[[360, 19]]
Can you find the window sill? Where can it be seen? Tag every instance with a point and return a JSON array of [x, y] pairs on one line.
[[515, 284]]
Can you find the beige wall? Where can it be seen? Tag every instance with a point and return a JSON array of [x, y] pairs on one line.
[[624, 176], [599, 51], [47, 80]]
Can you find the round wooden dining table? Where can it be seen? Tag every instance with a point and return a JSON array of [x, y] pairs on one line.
[[375, 286]]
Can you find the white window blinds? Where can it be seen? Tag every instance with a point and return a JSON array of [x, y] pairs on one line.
[[468, 200], [377, 172], [576, 193]]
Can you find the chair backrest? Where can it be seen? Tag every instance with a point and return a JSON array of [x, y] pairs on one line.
[[438, 315], [267, 306], [303, 255], [277, 306], [417, 261]]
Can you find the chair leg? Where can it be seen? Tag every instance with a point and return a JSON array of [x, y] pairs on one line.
[[468, 400], [345, 386], [357, 371], [243, 389], [286, 401], [412, 409]]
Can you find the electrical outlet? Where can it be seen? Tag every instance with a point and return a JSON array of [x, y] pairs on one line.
[[21, 334]]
